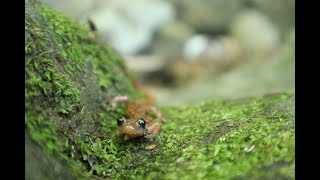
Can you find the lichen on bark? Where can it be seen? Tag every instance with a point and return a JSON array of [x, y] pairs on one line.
[[70, 128]]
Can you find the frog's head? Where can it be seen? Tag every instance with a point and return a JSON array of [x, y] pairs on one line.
[[132, 128]]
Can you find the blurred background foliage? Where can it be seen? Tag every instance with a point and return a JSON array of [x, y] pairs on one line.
[[184, 51]]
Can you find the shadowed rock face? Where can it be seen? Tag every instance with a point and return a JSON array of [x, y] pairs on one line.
[[71, 133], [39, 165]]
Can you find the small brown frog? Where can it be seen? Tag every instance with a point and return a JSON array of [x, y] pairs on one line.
[[137, 122]]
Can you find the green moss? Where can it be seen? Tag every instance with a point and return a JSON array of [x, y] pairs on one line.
[[211, 141], [246, 138], [62, 99], [46, 137], [109, 73], [67, 41], [68, 80]]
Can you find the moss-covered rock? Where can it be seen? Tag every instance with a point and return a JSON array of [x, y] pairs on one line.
[[71, 131], [68, 80]]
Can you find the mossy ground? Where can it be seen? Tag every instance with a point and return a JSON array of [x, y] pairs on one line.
[[68, 79], [241, 139]]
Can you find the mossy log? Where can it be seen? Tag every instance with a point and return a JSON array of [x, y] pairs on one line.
[[71, 133]]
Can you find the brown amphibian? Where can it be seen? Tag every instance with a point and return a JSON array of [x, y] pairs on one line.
[[137, 121]]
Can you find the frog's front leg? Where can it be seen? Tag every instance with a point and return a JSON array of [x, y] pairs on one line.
[[158, 113], [153, 130], [113, 102]]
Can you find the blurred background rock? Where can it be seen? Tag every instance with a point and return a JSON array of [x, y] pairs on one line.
[[185, 50]]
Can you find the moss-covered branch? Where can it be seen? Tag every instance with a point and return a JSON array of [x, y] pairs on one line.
[[71, 132]]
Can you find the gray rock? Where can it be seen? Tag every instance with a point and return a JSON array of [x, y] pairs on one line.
[[71, 7], [170, 39], [209, 15], [290, 38], [129, 26], [255, 32], [282, 13], [271, 74], [195, 45], [38, 165]]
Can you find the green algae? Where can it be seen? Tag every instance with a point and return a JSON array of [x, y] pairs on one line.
[[68, 80]]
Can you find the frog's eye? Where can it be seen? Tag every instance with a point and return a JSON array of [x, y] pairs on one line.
[[142, 123], [120, 121]]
